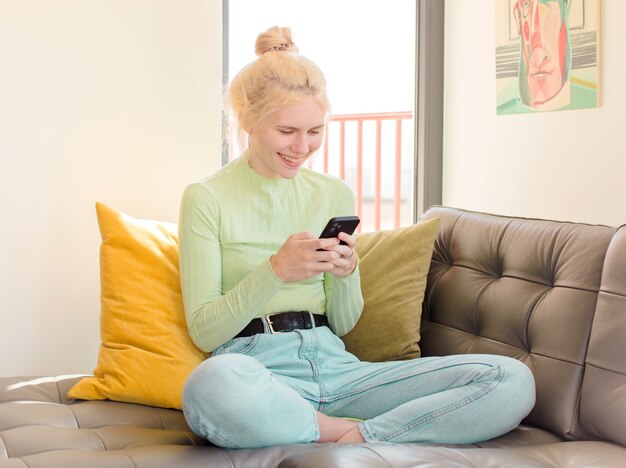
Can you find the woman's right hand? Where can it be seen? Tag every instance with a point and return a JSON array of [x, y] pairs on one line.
[[299, 258]]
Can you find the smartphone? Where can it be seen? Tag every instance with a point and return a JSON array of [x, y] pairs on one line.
[[340, 224]]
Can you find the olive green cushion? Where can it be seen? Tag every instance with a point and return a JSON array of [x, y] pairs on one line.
[[394, 268]]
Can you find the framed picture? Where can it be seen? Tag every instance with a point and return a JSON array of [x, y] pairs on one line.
[[547, 55]]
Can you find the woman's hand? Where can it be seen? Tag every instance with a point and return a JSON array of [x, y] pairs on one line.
[[299, 257], [346, 263]]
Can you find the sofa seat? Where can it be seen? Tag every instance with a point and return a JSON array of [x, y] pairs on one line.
[[41, 427]]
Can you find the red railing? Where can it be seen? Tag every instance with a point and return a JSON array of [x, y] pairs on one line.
[[377, 119]]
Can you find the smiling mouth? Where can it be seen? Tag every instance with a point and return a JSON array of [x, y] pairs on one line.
[[290, 161]]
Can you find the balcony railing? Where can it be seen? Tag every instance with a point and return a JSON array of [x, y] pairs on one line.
[[362, 142]]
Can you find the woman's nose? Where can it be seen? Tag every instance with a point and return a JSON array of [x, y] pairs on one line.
[[300, 145]]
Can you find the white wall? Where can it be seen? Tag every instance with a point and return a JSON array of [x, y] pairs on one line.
[[566, 165], [112, 101]]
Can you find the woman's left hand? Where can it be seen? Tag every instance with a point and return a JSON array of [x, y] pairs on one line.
[[346, 263]]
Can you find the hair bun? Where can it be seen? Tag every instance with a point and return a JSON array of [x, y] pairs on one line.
[[275, 39]]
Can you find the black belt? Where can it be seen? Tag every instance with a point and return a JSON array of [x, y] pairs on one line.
[[283, 322]]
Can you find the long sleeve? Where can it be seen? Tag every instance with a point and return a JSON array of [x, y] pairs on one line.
[[344, 301], [212, 317]]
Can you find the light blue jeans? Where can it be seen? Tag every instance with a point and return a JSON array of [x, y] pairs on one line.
[[263, 390]]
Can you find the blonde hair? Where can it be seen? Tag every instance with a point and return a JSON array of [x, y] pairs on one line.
[[279, 77]]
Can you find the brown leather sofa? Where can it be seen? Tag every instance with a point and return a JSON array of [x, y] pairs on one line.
[[551, 294]]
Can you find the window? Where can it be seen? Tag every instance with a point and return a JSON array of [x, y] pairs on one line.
[[366, 49]]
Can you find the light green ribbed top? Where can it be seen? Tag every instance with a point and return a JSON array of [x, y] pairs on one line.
[[230, 225]]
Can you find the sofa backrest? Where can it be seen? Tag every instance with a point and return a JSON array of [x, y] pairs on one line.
[[538, 291]]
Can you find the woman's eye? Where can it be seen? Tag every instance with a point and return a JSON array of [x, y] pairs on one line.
[[286, 132]]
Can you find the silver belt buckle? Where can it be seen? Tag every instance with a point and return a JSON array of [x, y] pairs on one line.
[[268, 319]]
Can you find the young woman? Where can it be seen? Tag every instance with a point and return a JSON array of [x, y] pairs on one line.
[[270, 300]]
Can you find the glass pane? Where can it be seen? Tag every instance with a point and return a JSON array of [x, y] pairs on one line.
[[366, 49]]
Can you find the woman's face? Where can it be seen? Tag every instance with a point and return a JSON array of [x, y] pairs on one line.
[[281, 144]]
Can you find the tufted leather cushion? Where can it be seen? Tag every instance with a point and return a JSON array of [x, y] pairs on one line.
[[528, 289]]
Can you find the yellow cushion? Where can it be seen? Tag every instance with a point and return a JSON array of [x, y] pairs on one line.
[[146, 353], [394, 268]]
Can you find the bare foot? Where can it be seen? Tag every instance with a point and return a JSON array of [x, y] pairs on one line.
[[353, 436], [332, 429]]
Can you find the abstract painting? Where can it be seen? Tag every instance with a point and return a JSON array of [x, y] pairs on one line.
[[547, 55]]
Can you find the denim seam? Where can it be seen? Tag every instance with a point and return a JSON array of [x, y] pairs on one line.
[[442, 412], [316, 428], [304, 354], [223, 349], [366, 432], [313, 361], [395, 378]]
